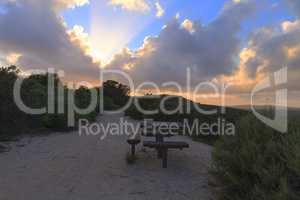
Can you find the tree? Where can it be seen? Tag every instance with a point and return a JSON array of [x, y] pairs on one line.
[[118, 92], [9, 113]]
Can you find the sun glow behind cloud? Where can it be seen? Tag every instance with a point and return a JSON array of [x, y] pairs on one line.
[[112, 28], [118, 27]]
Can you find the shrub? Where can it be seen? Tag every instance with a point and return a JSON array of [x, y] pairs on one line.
[[109, 104], [9, 113], [258, 163], [118, 92], [34, 93]]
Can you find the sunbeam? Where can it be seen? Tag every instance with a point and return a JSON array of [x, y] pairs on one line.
[[113, 28]]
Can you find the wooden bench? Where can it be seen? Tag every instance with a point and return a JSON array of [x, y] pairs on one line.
[[159, 138], [163, 147]]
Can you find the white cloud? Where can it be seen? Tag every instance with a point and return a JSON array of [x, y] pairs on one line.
[[159, 10], [70, 3], [81, 39], [132, 5]]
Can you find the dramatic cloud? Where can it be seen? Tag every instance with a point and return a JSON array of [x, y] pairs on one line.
[[208, 50], [34, 30], [132, 5], [82, 40], [275, 48], [36, 37], [214, 53], [269, 49]]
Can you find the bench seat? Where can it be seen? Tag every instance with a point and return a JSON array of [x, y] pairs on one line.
[[154, 135], [168, 145]]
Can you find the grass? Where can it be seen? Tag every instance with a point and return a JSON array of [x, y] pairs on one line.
[[258, 163]]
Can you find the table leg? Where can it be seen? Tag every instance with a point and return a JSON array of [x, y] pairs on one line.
[[165, 157], [132, 150], [159, 139]]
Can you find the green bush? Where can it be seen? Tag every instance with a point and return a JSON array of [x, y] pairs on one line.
[[118, 92], [109, 104], [258, 163], [34, 93], [10, 115]]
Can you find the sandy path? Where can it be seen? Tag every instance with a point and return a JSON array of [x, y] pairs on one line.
[[69, 167]]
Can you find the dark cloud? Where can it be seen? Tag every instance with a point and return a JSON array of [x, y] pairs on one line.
[[276, 48], [209, 50], [35, 30]]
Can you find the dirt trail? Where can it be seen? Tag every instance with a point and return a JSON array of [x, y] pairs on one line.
[[72, 167]]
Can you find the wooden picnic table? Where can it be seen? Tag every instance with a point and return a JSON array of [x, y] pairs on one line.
[[159, 144], [162, 146]]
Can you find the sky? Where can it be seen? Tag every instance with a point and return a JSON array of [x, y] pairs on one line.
[[272, 12], [220, 42]]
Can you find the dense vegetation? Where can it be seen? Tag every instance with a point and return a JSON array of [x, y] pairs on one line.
[[258, 162], [173, 103], [116, 93], [34, 94]]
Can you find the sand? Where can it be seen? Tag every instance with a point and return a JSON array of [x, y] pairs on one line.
[[63, 166]]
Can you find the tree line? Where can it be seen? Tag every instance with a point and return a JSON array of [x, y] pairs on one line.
[[34, 94]]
